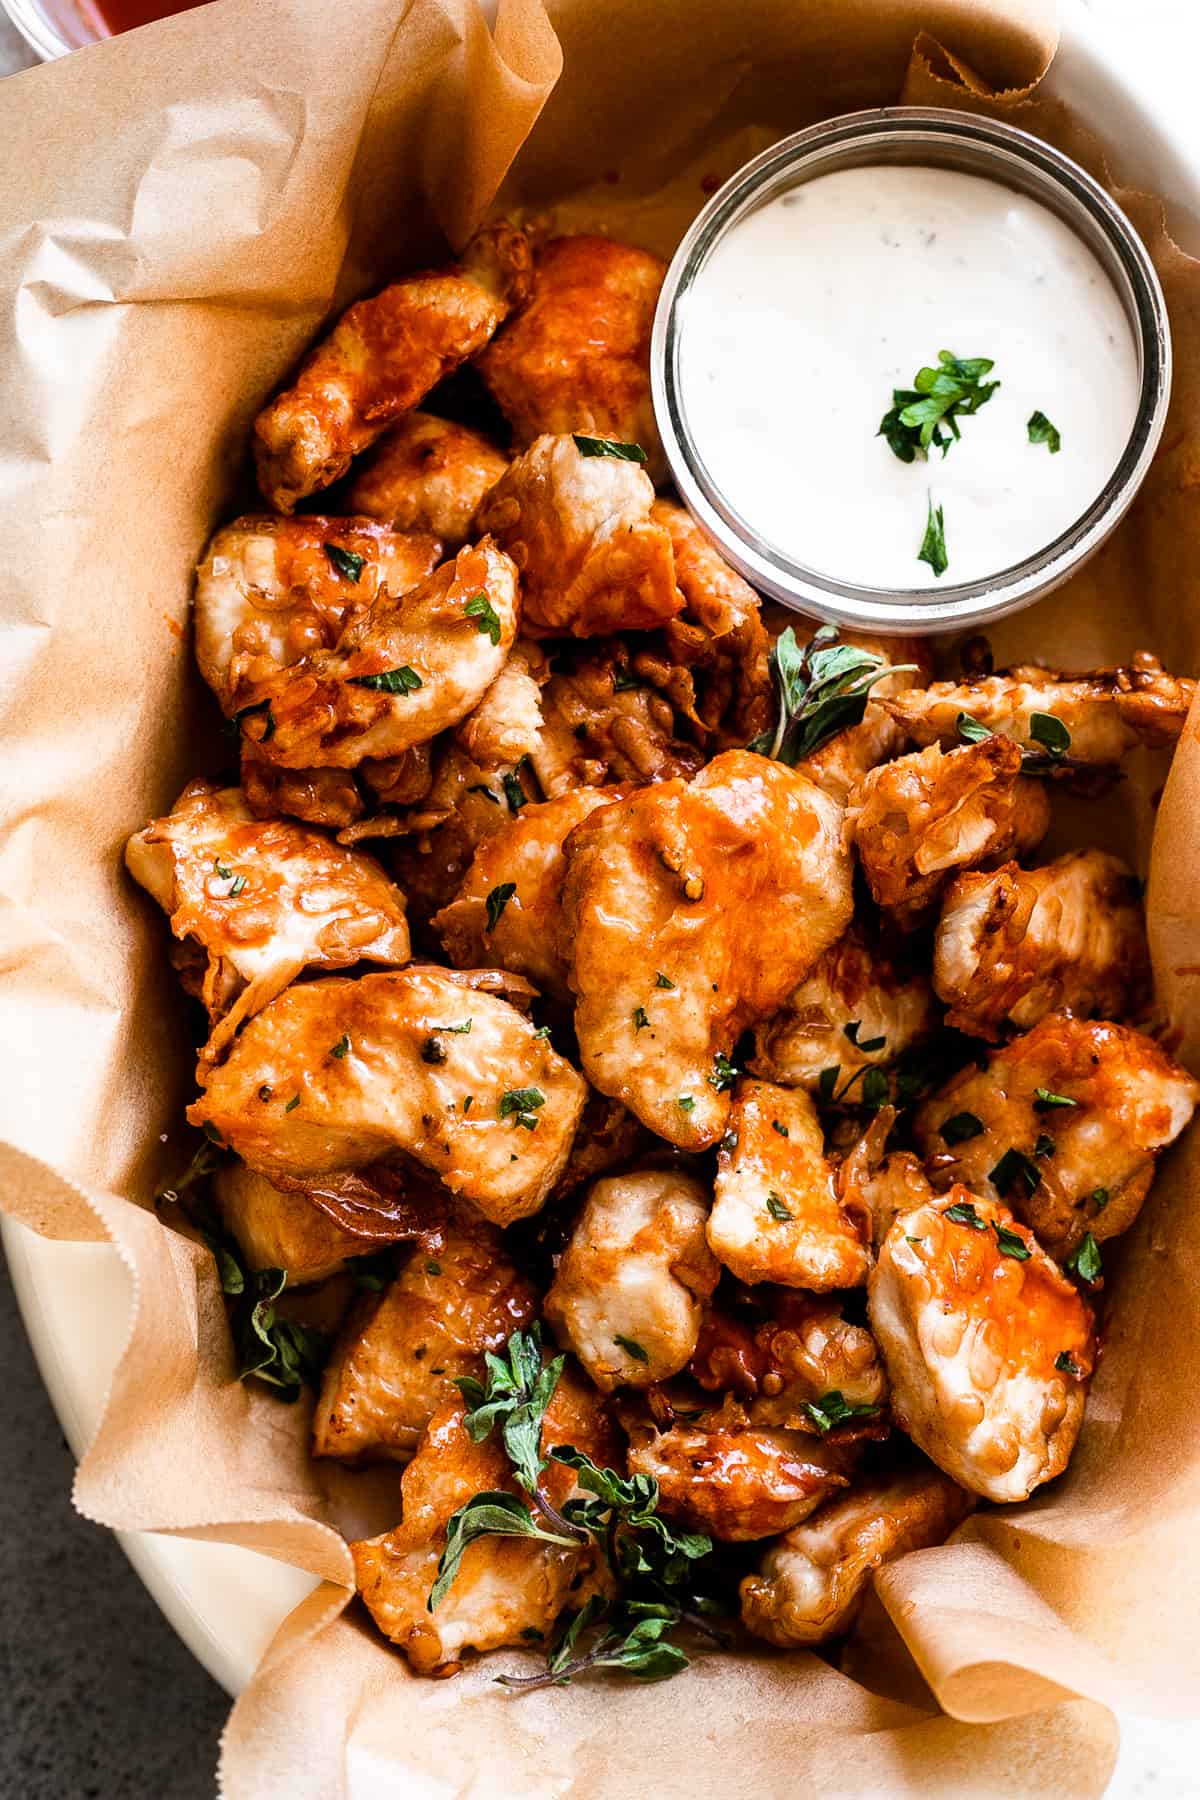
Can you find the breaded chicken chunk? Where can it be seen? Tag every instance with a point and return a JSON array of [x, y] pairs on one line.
[[629, 1291], [917, 820], [860, 1006], [988, 1345], [1016, 944], [785, 1351], [776, 1213], [270, 591], [329, 797], [404, 668], [1065, 1123], [429, 475], [811, 1584], [399, 1352], [735, 1483], [690, 911], [263, 899], [505, 726], [580, 529], [507, 1589], [381, 359], [1106, 712], [879, 1181], [528, 854], [276, 1229], [601, 725], [577, 358], [336, 1074]]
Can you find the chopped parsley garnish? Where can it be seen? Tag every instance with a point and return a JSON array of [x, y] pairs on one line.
[[497, 900], [594, 446], [724, 1074], [776, 1208], [223, 873], [937, 399], [521, 1104], [782, 1129], [933, 544], [820, 689], [963, 1213], [631, 1347], [971, 731], [1044, 1099], [486, 618], [1066, 1363], [458, 1030], [1045, 1146], [1014, 1166], [1100, 1196], [514, 793], [961, 1127], [866, 1045], [1084, 1260], [661, 981], [292, 1104], [239, 882], [433, 1268], [392, 681], [1009, 1244], [1041, 431], [543, 1031], [685, 1103], [1050, 733], [873, 1093], [346, 562], [341, 1048], [834, 1409], [640, 1021], [468, 1103]]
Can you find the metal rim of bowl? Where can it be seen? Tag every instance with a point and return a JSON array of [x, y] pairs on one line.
[[998, 151]]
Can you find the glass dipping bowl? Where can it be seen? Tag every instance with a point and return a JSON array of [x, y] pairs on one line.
[[930, 137]]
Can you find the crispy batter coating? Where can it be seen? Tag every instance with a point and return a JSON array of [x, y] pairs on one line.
[[577, 358], [659, 890], [581, 531], [735, 1483], [329, 709], [263, 898], [1016, 944], [601, 726], [398, 1354], [354, 1070], [1106, 712], [784, 1350], [857, 987], [1096, 1159], [269, 592], [988, 1345], [628, 1293], [880, 1181], [276, 1229], [918, 819], [776, 1214], [811, 1584], [428, 474], [529, 853], [506, 724], [506, 1588], [329, 797], [381, 359]]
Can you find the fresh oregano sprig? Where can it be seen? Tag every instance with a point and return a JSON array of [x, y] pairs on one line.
[[820, 689]]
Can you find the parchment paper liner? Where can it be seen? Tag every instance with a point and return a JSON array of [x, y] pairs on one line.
[[202, 194]]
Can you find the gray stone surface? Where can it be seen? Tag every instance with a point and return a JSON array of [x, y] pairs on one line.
[[99, 1700]]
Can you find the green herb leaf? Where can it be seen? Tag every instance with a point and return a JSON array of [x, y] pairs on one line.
[[1066, 1363], [963, 1213], [834, 1409], [1100, 1196], [820, 689], [1050, 732], [392, 681], [933, 544], [1043, 1100], [960, 1128], [1045, 1146], [780, 1128], [284, 1354], [926, 415], [346, 562], [223, 873], [478, 787], [632, 1348], [1009, 1244], [341, 1048], [486, 618], [1041, 431], [292, 1104], [1084, 1260], [640, 1021], [1013, 1167], [724, 1074], [514, 793], [492, 1514], [685, 1103], [239, 882], [593, 446], [517, 1394], [827, 1082], [660, 981], [866, 1045], [519, 1100], [458, 1030], [497, 900], [972, 731], [776, 1208]]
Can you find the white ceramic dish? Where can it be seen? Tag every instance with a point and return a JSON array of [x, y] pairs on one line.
[[226, 1603]]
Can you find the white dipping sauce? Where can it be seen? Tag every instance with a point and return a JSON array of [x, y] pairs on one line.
[[812, 309]]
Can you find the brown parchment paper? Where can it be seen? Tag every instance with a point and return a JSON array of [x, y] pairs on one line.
[[178, 210]]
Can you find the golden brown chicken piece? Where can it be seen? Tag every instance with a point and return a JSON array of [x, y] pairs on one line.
[[785, 1351], [776, 1214], [1106, 712], [988, 1345], [264, 899], [276, 1229], [381, 359], [1065, 1123], [270, 591], [506, 725], [736, 1482], [428, 474], [329, 797], [878, 1181], [403, 669], [1016, 944], [629, 1291], [811, 1584], [399, 1353], [602, 726], [918, 819], [507, 1589], [578, 357], [581, 531], [335, 1075], [528, 853], [860, 1006], [660, 888]]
